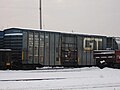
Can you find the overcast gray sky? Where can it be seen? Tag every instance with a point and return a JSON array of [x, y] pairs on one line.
[[83, 16]]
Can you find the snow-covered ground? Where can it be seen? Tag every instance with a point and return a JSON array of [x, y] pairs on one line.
[[61, 79]]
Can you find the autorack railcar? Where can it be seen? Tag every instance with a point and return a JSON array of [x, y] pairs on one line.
[[38, 48]]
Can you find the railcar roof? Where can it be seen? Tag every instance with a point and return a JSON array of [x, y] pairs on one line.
[[53, 31]]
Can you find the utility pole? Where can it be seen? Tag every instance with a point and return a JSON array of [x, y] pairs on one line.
[[40, 8]]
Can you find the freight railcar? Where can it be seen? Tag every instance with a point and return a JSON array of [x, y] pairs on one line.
[[38, 48]]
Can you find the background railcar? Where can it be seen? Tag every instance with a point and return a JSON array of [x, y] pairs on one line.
[[37, 48]]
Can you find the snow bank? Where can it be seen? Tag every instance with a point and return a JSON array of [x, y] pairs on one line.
[[61, 79]]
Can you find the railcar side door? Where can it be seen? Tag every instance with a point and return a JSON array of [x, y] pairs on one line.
[[69, 50]]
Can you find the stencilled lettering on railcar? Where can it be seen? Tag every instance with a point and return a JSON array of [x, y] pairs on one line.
[[91, 43]]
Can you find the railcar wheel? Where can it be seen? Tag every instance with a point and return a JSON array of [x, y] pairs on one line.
[[101, 64]]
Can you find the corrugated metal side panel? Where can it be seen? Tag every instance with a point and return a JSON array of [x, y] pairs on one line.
[[80, 50], [25, 46], [52, 49], [57, 49]]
